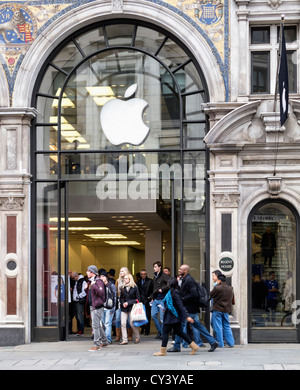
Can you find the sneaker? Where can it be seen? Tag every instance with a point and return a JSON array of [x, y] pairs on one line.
[[80, 333], [94, 348]]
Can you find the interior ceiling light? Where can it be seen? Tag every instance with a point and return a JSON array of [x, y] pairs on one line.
[[65, 101], [65, 127], [105, 236], [71, 219], [100, 91], [100, 101], [122, 243], [54, 119], [81, 228], [101, 95]]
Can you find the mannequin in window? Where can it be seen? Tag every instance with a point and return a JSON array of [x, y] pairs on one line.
[[268, 245]]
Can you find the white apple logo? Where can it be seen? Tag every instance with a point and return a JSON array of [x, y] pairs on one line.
[[122, 121]]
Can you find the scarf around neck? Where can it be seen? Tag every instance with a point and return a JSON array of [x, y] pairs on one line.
[[169, 302]]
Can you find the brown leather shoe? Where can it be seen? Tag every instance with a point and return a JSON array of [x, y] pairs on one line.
[[94, 348]]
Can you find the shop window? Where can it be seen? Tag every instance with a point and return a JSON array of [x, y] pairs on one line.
[[273, 267]]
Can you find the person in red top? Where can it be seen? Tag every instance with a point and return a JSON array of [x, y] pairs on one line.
[[96, 299]]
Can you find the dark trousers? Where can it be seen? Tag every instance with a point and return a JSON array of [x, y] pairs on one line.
[[177, 329], [146, 327]]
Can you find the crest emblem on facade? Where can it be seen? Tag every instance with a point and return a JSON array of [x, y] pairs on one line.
[[212, 11], [16, 25]]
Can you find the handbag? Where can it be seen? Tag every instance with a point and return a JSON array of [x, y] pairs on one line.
[[138, 312]]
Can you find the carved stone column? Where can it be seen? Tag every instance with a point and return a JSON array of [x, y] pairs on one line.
[[14, 220]]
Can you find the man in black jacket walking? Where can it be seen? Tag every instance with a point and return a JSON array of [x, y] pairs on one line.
[[145, 286], [190, 300], [160, 289]]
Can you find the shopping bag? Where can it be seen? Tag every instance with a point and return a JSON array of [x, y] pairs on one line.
[[138, 312], [142, 322]]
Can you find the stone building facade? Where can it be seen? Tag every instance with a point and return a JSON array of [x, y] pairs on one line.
[[252, 165]]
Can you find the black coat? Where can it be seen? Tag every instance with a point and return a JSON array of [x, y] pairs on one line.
[[131, 296], [160, 281], [145, 290], [169, 317], [189, 294]]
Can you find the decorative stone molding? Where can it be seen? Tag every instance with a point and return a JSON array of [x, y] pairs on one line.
[[226, 200], [274, 131], [10, 203], [231, 128], [274, 4], [296, 108], [217, 111], [274, 186], [117, 5]]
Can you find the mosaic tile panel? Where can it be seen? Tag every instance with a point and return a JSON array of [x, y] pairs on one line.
[[21, 22]]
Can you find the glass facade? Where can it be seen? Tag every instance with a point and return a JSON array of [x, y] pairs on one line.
[[118, 144]]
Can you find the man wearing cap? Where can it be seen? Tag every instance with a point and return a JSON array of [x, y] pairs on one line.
[[96, 299]]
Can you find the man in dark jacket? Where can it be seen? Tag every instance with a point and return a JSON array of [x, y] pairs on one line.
[[222, 295], [160, 289], [189, 295], [96, 299], [145, 286]]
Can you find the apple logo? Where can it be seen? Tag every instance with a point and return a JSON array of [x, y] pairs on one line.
[[122, 121]]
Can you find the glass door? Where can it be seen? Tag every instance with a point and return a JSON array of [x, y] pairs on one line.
[[273, 271], [50, 282]]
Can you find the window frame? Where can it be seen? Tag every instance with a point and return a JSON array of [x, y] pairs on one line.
[[272, 47]]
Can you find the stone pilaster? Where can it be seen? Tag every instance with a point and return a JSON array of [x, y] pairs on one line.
[[14, 218]]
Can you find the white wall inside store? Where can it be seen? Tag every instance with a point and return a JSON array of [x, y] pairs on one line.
[[81, 256]]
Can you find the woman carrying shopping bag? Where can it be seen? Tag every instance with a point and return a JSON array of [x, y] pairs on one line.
[[175, 314], [128, 297], [119, 285]]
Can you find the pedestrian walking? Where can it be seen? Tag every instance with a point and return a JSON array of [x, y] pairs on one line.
[[79, 299], [222, 296], [119, 284], [145, 286], [108, 313], [128, 297], [160, 289], [175, 314], [189, 293], [96, 298]]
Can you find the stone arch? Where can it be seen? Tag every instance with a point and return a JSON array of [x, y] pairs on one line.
[[102, 10]]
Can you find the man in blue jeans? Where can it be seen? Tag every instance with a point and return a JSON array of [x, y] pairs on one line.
[[222, 295], [160, 289], [189, 293]]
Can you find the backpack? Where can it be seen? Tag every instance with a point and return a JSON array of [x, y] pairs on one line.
[[203, 297], [110, 297]]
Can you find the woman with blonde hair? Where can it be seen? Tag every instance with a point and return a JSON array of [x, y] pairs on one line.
[[129, 296], [119, 283]]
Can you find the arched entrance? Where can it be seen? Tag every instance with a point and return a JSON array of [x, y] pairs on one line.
[[273, 272], [119, 162]]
